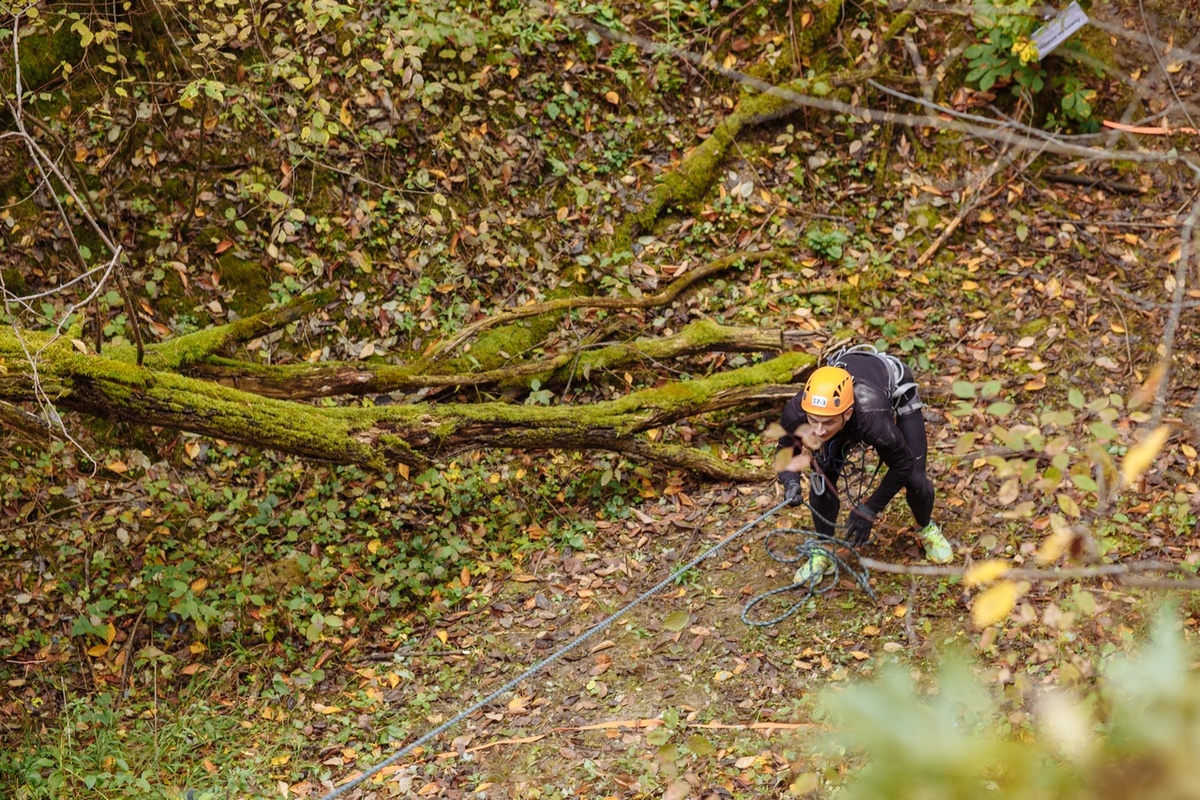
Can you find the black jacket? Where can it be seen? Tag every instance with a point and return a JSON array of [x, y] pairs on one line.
[[872, 423]]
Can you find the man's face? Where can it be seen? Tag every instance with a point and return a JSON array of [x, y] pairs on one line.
[[825, 428]]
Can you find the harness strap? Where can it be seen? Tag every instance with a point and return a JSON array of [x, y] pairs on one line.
[[903, 394]]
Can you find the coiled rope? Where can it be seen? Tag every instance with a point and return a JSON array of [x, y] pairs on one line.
[[553, 657], [858, 481]]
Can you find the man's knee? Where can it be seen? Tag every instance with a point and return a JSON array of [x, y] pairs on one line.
[[921, 489]]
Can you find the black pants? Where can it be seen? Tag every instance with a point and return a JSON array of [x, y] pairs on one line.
[[918, 491]]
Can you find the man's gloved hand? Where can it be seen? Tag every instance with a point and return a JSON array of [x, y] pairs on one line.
[[858, 527], [791, 492]]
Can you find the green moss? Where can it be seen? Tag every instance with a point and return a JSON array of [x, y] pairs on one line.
[[48, 43], [14, 281], [924, 218], [248, 282], [1035, 326]]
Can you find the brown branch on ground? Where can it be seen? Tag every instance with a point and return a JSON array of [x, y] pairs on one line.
[[1130, 573], [18, 419]]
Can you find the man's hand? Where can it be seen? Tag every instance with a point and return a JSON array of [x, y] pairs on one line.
[[858, 527], [792, 493]]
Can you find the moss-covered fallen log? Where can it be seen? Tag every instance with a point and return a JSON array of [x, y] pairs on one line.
[[331, 379], [183, 351], [376, 437]]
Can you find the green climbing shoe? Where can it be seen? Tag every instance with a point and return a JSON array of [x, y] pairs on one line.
[[812, 571], [937, 549]]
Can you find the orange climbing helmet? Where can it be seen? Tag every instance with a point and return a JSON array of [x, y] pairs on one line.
[[828, 392]]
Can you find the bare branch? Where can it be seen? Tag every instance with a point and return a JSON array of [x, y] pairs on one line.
[[1129, 573]]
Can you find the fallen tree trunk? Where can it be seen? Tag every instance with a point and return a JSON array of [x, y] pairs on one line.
[[412, 435]]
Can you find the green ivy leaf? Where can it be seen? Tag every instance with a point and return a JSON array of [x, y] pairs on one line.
[[963, 390], [658, 737], [677, 621], [700, 746]]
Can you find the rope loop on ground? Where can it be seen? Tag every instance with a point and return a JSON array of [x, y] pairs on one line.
[[814, 543], [858, 479]]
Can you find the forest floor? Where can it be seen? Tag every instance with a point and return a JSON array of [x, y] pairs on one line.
[[197, 619], [1035, 365]]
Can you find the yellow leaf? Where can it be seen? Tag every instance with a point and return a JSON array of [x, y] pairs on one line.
[[403, 470], [279, 761], [97, 650], [1067, 505], [1142, 455], [442, 636], [118, 466], [1145, 393], [199, 585], [985, 572], [1106, 470], [196, 648], [805, 783], [995, 604], [800, 463], [1057, 542], [373, 546], [110, 633], [612, 97]]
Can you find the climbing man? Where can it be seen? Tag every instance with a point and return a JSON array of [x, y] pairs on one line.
[[865, 396]]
